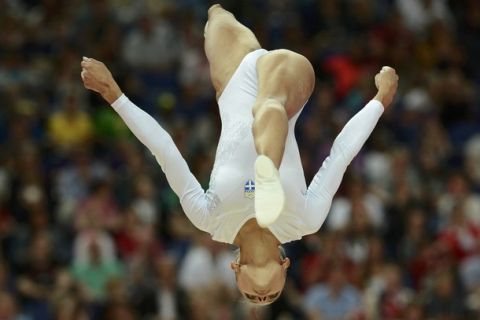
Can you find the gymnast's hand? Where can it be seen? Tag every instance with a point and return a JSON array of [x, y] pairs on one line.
[[386, 82], [97, 77]]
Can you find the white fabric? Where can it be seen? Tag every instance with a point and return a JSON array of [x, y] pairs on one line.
[[225, 207]]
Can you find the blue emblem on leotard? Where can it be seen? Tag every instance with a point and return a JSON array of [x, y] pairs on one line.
[[249, 189]]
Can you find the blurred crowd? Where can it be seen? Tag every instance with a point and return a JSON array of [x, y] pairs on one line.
[[89, 228]]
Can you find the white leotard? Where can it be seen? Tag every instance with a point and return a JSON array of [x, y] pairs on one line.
[[228, 203]]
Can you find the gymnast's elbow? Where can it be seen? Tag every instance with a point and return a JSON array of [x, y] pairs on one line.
[[198, 220], [311, 229], [343, 152], [314, 217], [196, 211], [313, 225]]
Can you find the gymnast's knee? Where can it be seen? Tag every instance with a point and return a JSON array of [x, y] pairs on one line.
[[216, 10], [219, 18]]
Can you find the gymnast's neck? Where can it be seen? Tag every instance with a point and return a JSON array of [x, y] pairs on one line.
[[258, 246]]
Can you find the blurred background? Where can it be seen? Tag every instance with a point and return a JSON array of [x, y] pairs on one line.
[[89, 228]]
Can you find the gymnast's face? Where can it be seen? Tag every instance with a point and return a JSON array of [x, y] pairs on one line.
[[261, 285]]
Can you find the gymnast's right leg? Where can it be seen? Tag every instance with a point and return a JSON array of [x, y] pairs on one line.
[[227, 42]]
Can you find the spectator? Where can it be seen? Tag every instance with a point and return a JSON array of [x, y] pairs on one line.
[[419, 15], [72, 182], [37, 277], [335, 299], [70, 127], [342, 209], [472, 161], [156, 37], [95, 263], [164, 299], [458, 191], [98, 210], [446, 299], [9, 307], [206, 266], [392, 299], [144, 204], [136, 239], [460, 236], [6, 280], [415, 236]]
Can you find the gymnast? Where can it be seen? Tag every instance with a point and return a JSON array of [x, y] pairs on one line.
[[257, 197]]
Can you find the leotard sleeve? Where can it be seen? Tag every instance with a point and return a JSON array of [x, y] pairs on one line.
[[193, 199], [326, 182]]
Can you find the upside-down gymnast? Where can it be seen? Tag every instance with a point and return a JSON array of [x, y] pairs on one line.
[[257, 197]]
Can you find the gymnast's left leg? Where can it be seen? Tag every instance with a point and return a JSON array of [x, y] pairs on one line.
[[285, 82]]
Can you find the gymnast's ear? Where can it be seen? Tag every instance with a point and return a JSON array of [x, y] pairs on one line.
[[235, 266], [286, 263]]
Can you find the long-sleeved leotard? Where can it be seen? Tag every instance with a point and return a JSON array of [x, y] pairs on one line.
[[228, 204]]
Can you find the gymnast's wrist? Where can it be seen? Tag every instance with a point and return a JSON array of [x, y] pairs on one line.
[[383, 98], [111, 92]]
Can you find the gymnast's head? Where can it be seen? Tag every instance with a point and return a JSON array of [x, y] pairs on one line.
[[261, 283]]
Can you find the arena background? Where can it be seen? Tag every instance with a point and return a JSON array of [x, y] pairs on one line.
[[89, 228]]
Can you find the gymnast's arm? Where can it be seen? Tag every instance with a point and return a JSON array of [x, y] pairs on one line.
[[194, 202], [345, 147]]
